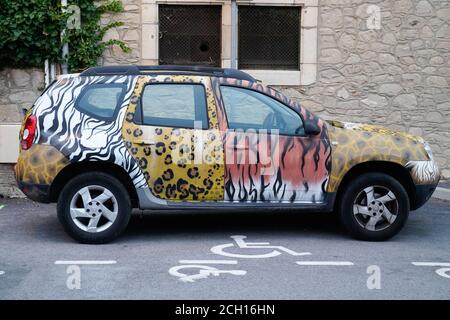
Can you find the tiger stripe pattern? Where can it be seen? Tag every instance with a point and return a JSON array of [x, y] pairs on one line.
[[301, 165]]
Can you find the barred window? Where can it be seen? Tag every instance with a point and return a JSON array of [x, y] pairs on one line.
[[269, 37], [190, 35]]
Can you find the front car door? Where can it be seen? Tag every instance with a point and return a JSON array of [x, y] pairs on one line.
[[268, 157]]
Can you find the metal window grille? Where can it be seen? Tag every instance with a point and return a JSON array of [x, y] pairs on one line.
[[269, 37], [190, 35]]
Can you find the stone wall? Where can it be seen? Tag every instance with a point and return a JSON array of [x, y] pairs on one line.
[[130, 33], [18, 89], [397, 76]]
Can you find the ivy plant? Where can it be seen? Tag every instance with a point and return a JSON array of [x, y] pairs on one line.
[[30, 33], [86, 44]]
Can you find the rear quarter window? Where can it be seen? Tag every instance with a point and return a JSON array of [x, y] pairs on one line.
[[101, 100]]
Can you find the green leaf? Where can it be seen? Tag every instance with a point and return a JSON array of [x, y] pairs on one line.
[[30, 32]]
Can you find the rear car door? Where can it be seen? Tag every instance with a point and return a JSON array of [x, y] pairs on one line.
[[175, 139]]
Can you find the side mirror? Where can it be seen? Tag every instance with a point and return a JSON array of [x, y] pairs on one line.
[[311, 129]]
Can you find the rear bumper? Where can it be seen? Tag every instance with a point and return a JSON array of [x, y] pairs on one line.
[[37, 168], [35, 192], [423, 194]]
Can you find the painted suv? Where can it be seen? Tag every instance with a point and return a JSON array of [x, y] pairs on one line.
[[113, 138]]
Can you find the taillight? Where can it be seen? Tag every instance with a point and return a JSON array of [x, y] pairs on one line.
[[29, 130]]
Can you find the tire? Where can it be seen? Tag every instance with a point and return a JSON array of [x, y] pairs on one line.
[[371, 221], [98, 221]]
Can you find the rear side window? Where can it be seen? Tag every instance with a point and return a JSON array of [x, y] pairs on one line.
[[101, 100], [174, 105]]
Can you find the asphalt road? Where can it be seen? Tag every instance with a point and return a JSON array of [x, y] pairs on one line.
[[137, 265]]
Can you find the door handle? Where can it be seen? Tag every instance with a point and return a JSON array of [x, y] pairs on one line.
[[146, 142], [241, 148]]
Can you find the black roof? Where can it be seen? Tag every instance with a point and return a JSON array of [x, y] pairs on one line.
[[167, 69]]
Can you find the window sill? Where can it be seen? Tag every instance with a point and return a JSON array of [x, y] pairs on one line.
[[305, 76]]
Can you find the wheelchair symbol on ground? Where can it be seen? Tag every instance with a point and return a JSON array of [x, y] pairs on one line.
[[240, 243], [204, 270]]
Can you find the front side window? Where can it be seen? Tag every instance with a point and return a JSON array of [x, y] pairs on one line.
[[247, 109], [269, 37], [100, 100], [174, 105]]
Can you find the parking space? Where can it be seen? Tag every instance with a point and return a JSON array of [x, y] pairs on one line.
[[223, 255]]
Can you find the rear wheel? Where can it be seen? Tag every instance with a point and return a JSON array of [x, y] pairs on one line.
[[94, 208], [374, 207]]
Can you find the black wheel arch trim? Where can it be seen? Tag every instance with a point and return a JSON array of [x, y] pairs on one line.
[[76, 168], [395, 170]]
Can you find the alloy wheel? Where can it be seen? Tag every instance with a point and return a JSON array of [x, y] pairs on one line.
[[93, 208], [375, 208]]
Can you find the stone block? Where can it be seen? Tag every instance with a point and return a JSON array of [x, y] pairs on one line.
[[9, 114], [19, 78], [390, 89]]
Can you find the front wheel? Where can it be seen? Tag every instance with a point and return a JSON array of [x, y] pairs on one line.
[[374, 207], [94, 208]]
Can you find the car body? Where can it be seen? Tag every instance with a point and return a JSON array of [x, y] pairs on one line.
[[198, 137]]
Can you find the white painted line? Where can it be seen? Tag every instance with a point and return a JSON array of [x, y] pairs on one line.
[[431, 264], [207, 262], [2, 273], [325, 263], [2, 206], [443, 271], [93, 262], [441, 193]]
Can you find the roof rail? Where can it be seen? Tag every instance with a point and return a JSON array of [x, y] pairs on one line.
[[164, 69]]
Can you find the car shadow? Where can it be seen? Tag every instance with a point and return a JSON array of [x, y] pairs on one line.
[[154, 224], [166, 222]]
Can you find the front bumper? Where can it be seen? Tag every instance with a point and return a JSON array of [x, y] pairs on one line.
[[426, 176], [424, 172], [423, 194]]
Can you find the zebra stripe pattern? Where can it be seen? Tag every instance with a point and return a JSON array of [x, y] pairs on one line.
[[79, 136]]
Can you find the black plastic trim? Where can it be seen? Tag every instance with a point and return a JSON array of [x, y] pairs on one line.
[[35, 192], [422, 194], [143, 70]]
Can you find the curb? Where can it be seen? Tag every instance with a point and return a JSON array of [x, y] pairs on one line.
[[442, 194]]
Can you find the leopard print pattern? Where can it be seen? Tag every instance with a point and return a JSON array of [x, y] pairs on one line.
[[178, 164], [358, 143], [40, 164]]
